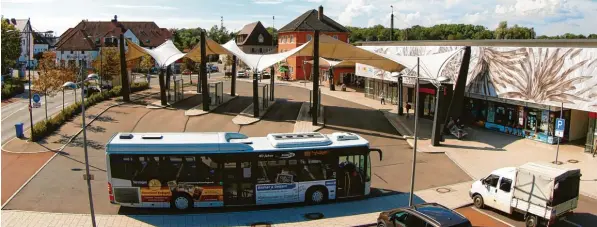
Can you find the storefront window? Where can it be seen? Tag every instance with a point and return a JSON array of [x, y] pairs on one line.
[[533, 120]]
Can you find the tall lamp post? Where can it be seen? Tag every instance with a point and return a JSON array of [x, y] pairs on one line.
[[73, 86], [416, 107]]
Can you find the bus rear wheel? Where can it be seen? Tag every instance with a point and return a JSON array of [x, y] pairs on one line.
[[316, 195], [181, 201]]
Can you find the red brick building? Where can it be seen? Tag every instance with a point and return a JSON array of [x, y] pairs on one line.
[[300, 31]]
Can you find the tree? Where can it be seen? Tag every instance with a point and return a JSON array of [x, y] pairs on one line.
[[66, 74], [47, 82], [11, 46], [146, 63], [274, 33], [110, 63], [220, 35], [501, 30]]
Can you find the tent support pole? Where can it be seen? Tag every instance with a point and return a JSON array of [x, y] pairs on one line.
[[315, 109], [203, 74]]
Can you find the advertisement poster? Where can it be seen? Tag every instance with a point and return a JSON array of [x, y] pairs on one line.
[[544, 121], [276, 193], [198, 193]]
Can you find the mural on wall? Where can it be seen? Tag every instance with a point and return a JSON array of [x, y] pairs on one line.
[[548, 76]]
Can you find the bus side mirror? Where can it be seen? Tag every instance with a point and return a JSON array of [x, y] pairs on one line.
[[378, 151]]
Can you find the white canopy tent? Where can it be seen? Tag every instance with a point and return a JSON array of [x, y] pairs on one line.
[[328, 48], [164, 54], [258, 62], [324, 62], [431, 66]]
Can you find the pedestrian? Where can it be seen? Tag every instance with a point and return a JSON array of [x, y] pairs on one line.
[[148, 78], [407, 109], [382, 98]]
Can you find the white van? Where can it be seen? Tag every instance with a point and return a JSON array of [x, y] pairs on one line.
[[542, 192]]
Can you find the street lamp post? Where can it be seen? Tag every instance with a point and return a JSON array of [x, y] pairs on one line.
[[88, 177], [416, 107]]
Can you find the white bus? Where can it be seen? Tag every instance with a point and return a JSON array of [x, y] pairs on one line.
[[185, 170]]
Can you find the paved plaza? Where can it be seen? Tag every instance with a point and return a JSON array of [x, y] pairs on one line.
[[59, 187]]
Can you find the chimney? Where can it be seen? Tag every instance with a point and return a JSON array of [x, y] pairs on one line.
[[320, 13], [115, 19]]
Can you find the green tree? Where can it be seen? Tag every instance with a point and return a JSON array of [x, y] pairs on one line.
[[274, 33], [146, 63], [47, 82], [11, 46], [110, 63]]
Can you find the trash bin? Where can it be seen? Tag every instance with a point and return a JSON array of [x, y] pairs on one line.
[[19, 130]]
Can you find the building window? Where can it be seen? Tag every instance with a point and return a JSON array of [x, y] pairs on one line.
[[309, 37], [292, 39], [335, 36], [252, 50], [71, 52], [260, 50], [260, 38], [82, 52], [61, 52]]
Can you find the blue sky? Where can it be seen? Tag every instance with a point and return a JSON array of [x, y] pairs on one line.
[[549, 17]]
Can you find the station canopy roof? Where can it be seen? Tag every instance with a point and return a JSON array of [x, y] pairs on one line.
[[211, 47], [328, 48], [163, 55], [324, 62]]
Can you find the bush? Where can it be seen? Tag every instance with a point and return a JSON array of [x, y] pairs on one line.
[[12, 88], [44, 128]]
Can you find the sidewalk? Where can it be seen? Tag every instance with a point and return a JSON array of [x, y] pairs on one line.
[[350, 213], [483, 151]]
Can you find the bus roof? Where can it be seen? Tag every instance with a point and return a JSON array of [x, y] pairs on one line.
[[227, 142]]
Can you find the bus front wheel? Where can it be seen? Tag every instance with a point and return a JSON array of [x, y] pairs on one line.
[[316, 195], [181, 201]]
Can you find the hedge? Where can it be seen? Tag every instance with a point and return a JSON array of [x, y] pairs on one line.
[[12, 88], [46, 127]]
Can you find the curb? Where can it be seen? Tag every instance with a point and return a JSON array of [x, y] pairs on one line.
[[60, 150], [255, 120], [206, 112]]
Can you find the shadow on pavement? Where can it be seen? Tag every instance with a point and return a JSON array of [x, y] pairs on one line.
[[473, 147], [233, 107], [355, 130], [379, 200], [356, 118]]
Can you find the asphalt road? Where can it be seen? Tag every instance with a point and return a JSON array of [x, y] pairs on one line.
[[18, 111]]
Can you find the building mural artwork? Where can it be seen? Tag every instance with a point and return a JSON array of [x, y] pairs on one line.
[[514, 90], [548, 76]]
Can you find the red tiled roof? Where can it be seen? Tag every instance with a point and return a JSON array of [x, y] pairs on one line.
[[148, 33]]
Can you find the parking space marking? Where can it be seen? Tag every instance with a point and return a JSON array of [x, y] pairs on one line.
[[495, 218]]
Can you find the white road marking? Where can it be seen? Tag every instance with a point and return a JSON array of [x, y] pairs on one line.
[[572, 223], [12, 113], [495, 218]]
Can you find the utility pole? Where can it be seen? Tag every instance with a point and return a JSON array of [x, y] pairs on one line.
[[392, 24], [29, 68], [414, 164]]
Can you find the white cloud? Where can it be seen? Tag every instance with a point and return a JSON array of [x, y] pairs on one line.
[[155, 7], [353, 9], [372, 22]]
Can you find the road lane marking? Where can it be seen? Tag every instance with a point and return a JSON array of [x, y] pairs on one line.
[[495, 218], [16, 111]]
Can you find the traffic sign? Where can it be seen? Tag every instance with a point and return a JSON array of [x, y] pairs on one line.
[[560, 125], [36, 98]]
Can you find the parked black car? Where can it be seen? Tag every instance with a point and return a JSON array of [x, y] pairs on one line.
[[90, 91], [422, 215]]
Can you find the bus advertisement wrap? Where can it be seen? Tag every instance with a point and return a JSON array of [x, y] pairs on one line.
[[198, 193], [276, 193]]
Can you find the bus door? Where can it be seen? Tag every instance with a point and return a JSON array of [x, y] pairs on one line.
[[351, 176], [238, 183]]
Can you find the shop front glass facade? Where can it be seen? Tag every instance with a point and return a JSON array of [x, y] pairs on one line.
[[375, 88], [532, 122]]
